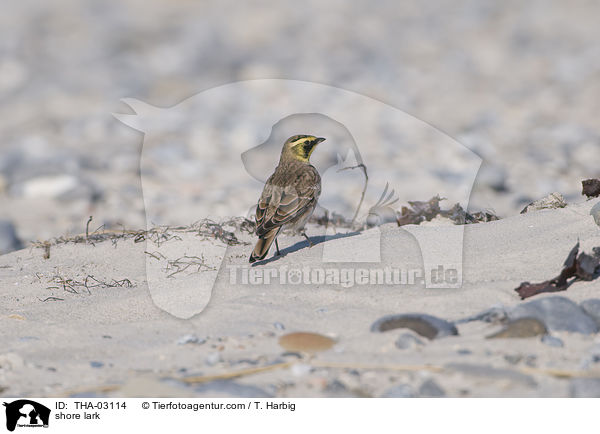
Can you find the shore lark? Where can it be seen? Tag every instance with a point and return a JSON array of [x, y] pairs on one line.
[[290, 194]]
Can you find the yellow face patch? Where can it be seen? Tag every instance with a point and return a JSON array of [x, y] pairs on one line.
[[302, 147]]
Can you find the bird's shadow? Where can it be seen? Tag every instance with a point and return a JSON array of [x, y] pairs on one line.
[[303, 244]]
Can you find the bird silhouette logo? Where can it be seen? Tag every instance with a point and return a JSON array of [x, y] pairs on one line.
[[26, 413], [190, 168]]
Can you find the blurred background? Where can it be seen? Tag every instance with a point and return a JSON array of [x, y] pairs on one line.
[[518, 83]]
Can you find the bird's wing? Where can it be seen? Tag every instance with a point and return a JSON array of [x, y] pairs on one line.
[[280, 205]]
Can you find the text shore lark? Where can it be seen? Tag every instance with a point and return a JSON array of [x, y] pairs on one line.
[[290, 194]]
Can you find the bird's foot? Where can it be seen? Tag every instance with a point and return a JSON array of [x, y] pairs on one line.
[[310, 243]]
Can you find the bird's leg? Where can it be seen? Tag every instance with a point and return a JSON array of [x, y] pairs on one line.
[[277, 247], [310, 243]]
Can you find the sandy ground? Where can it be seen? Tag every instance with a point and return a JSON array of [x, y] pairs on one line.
[[116, 341], [516, 83], [490, 104]]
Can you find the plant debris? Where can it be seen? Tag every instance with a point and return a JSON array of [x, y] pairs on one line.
[[182, 264], [206, 228], [590, 187], [426, 211], [552, 201], [579, 266], [74, 286]]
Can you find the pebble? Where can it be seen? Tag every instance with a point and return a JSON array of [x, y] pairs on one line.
[[400, 391], [212, 359], [595, 212], [521, 328], [585, 388], [306, 342], [190, 339], [95, 364], [592, 308], [553, 200], [557, 313], [338, 389], [279, 326], [430, 389], [513, 359], [552, 341], [592, 358], [408, 341], [425, 325], [300, 369], [9, 241], [49, 187]]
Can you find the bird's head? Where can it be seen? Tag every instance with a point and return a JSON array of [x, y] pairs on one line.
[[300, 147]]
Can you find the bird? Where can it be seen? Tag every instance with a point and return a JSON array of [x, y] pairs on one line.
[[289, 196]]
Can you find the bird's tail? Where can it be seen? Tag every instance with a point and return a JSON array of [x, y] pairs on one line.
[[263, 245]]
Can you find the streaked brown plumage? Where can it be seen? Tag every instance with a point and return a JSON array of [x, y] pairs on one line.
[[290, 194]]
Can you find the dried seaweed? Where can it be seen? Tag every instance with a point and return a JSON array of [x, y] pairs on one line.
[[206, 228], [74, 286], [334, 219], [552, 201], [577, 266], [590, 187], [416, 213], [183, 263], [427, 211], [51, 299]]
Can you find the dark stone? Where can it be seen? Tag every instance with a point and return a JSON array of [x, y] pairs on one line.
[[558, 313], [425, 325], [521, 328], [590, 187], [592, 308]]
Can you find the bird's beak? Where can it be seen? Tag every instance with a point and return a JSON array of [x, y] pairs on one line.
[[319, 140]]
